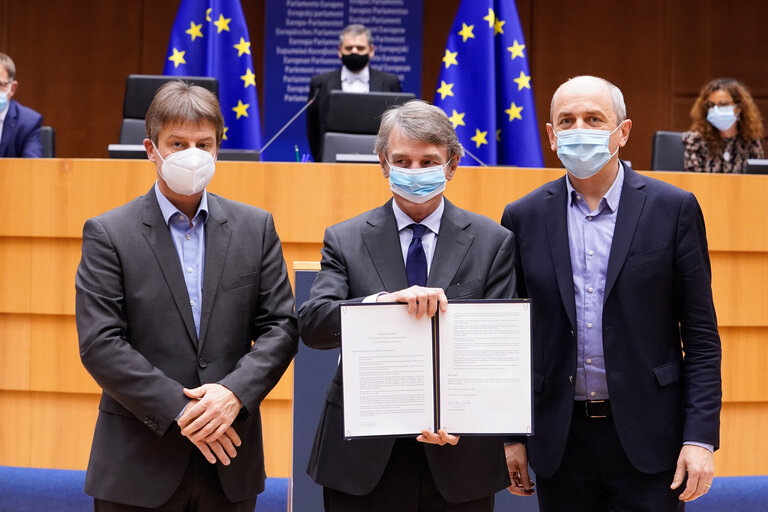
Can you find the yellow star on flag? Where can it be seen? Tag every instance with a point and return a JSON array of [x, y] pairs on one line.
[[497, 27], [514, 112], [445, 89], [498, 135], [208, 15], [490, 18], [177, 58], [479, 138], [194, 30], [248, 78], [241, 109], [450, 58], [516, 50], [466, 31], [523, 81], [243, 47], [222, 23], [224, 135], [457, 119]]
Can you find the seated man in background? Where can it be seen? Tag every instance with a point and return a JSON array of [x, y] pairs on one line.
[[185, 318], [355, 51], [19, 125], [420, 249]]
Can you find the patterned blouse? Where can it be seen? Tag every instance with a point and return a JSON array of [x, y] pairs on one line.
[[733, 160]]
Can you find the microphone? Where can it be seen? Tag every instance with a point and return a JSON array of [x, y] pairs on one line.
[[291, 120]]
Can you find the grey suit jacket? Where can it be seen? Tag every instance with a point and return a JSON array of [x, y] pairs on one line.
[[138, 341], [474, 258]]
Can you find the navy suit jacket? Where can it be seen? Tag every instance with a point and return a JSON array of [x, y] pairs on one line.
[[21, 133], [660, 339], [317, 112]]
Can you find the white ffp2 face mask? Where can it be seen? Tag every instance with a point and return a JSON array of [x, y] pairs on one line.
[[187, 172]]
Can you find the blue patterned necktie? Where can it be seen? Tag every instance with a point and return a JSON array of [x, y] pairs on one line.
[[416, 260]]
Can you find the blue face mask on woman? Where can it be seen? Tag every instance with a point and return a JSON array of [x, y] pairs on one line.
[[723, 117], [417, 185], [584, 151]]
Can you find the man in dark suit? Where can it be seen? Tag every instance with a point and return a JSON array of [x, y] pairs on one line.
[[185, 318], [19, 125], [420, 249], [355, 51], [626, 353]]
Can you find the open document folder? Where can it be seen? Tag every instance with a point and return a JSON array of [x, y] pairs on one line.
[[467, 370]]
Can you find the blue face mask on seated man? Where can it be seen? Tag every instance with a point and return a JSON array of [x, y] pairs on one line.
[[3, 100], [584, 151], [417, 185], [722, 118]]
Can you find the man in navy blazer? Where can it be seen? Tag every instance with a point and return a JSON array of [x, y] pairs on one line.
[[355, 51], [19, 125], [626, 353]]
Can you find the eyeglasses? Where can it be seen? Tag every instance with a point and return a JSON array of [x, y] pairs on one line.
[[6, 84], [721, 104]]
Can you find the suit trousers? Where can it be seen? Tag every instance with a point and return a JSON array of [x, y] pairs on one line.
[[199, 491], [595, 475], [406, 486]]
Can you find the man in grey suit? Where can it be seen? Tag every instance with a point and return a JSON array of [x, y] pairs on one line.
[[419, 249], [185, 319]]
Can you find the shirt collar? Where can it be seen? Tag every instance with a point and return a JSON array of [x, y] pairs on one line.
[[168, 210], [348, 76], [432, 221], [611, 198]]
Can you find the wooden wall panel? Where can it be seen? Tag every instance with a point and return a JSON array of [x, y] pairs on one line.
[[742, 432]]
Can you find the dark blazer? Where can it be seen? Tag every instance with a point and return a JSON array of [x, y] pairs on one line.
[[317, 113], [473, 259], [657, 305], [21, 133], [138, 341]]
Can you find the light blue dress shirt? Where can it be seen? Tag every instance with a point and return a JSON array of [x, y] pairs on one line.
[[190, 246], [590, 234]]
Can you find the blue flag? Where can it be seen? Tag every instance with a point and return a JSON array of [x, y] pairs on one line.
[[485, 85], [210, 38]]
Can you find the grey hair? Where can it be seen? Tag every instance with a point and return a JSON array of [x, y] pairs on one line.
[[10, 68], [617, 98], [419, 121], [356, 29]]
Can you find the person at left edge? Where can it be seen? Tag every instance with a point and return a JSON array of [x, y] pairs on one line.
[[19, 125], [465, 256], [356, 49], [185, 317]]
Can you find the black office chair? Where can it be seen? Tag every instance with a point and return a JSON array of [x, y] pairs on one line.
[[667, 152], [139, 92], [48, 141]]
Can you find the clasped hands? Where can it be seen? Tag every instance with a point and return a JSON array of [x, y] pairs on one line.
[[423, 301], [207, 422]]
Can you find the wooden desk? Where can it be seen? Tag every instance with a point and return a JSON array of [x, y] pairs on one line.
[[49, 402]]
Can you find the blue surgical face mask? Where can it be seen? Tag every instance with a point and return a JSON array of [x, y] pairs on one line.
[[3, 100], [417, 185], [583, 151], [722, 118]]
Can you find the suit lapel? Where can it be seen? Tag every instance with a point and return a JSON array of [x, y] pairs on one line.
[[382, 241], [9, 127], [452, 246], [158, 237], [217, 237], [374, 81], [556, 215], [630, 207], [335, 83]]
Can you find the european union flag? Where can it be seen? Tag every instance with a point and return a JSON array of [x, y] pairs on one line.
[[210, 38], [485, 85]]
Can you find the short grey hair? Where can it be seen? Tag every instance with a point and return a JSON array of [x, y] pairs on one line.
[[419, 121], [617, 98], [356, 29], [10, 67]]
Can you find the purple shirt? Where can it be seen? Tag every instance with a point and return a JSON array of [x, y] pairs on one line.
[[590, 234]]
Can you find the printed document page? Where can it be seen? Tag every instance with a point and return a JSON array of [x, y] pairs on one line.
[[388, 371], [485, 368]]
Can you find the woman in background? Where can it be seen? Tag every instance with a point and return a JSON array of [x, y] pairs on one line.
[[726, 130]]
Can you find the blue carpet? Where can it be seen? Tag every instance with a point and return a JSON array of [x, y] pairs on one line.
[[60, 490], [734, 494]]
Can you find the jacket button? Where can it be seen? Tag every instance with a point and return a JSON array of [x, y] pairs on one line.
[[573, 334], [570, 379], [202, 363]]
